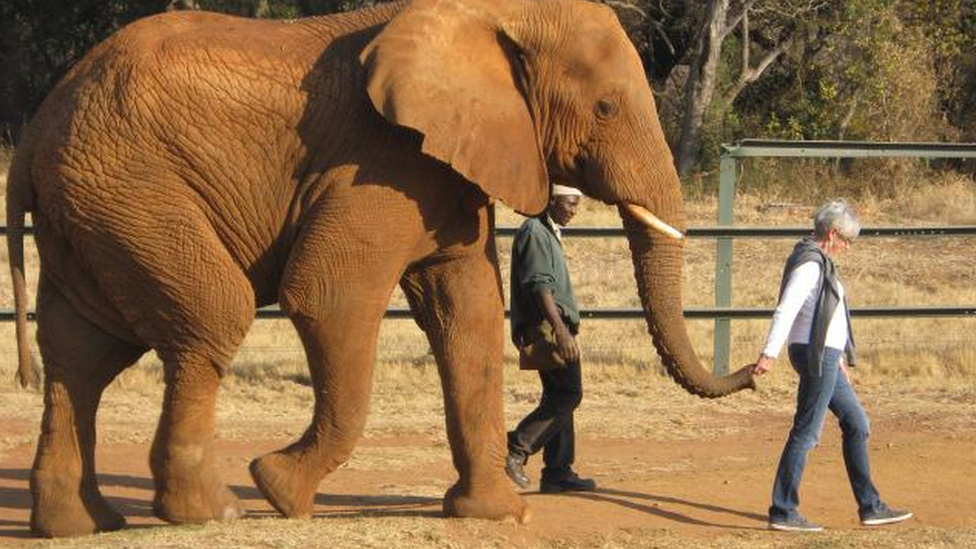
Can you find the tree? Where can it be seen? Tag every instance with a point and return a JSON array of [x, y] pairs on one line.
[[42, 39], [176, 5], [779, 22]]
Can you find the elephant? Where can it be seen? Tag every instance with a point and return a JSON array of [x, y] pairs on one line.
[[195, 166]]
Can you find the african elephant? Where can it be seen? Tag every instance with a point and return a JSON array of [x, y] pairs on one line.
[[195, 166]]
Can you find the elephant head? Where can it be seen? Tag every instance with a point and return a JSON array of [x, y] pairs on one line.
[[514, 93]]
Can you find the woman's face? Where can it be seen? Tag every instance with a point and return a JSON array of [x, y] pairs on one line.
[[835, 243]]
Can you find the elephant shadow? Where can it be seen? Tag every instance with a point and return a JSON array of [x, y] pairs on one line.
[[359, 505], [336, 505], [355, 505], [329, 505]]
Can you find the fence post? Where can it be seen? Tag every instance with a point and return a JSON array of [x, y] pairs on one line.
[[723, 261]]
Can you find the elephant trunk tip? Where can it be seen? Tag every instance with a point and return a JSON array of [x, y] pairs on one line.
[[721, 386]]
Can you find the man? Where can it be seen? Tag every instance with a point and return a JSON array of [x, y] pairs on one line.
[[543, 303], [812, 316]]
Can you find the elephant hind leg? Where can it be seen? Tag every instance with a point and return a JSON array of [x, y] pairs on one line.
[[163, 267], [80, 360], [189, 488]]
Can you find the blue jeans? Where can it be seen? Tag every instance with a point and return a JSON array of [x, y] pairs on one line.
[[815, 396]]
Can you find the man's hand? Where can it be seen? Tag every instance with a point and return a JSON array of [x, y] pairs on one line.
[[763, 365], [566, 344]]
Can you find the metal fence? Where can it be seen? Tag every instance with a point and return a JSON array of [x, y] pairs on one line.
[[733, 154], [723, 313]]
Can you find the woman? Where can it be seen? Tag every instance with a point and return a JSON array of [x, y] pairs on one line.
[[813, 317]]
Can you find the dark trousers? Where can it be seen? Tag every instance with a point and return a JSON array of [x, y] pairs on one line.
[[550, 425]]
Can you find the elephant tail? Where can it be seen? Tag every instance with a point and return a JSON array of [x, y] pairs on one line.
[[19, 202]]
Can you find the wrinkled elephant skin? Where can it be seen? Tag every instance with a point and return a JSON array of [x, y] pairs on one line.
[[196, 166]]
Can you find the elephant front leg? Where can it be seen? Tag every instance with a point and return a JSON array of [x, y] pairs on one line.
[[335, 288], [340, 355], [460, 307], [189, 489]]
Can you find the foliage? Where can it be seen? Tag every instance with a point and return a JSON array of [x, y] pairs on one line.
[[41, 39], [860, 72]]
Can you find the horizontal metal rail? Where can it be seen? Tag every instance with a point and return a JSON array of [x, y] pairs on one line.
[[846, 149], [705, 312], [695, 313], [738, 231], [765, 232]]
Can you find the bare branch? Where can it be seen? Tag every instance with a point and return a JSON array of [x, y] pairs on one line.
[[659, 30], [627, 6], [750, 74], [745, 38], [653, 23], [792, 9], [734, 22], [176, 5], [846, 121], [660, 8]]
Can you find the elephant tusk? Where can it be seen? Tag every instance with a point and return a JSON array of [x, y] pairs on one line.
[[652, 221]]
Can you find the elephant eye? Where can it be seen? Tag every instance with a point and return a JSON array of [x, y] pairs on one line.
[[606, 108]]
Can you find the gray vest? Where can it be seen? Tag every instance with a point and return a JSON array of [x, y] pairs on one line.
[[807, 250]]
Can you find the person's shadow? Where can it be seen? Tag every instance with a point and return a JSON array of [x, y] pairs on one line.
[[624, 499]]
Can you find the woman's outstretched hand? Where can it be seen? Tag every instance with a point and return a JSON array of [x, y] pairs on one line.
[[763, 365]]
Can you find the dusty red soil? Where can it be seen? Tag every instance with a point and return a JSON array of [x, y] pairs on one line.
[[698, 488]]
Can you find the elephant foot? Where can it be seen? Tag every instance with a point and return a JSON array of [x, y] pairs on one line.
[[194, 494], [497, 502], [191, 504], [279, 478], [61, 510]]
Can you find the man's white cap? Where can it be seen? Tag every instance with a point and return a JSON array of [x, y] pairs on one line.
[[563, 190]]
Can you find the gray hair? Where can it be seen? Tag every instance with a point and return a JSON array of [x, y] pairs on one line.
[[836, 214]]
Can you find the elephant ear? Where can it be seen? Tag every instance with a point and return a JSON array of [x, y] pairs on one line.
[[445, 69]]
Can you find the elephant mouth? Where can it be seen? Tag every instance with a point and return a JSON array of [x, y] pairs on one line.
[[654, 222]]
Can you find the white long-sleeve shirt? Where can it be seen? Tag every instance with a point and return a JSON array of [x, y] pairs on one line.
[[793, 319]]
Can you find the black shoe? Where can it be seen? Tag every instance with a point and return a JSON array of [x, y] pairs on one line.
[[514, 470], [795, 523], [570, 482], [884, 515]]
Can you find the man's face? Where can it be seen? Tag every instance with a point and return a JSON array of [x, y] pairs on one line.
[[562, 208]]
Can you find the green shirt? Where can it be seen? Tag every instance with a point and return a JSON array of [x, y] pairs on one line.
[[538, 265]]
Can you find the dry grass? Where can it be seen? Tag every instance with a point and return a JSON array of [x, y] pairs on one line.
[[419, 533]]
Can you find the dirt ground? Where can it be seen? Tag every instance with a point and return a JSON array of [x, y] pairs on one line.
[[707, 490]]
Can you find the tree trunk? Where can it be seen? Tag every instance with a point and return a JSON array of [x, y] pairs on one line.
[[261, 9], [701, 83], [175, 5]]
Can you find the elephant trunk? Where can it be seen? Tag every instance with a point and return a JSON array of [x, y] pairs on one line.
[[658, 260]]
